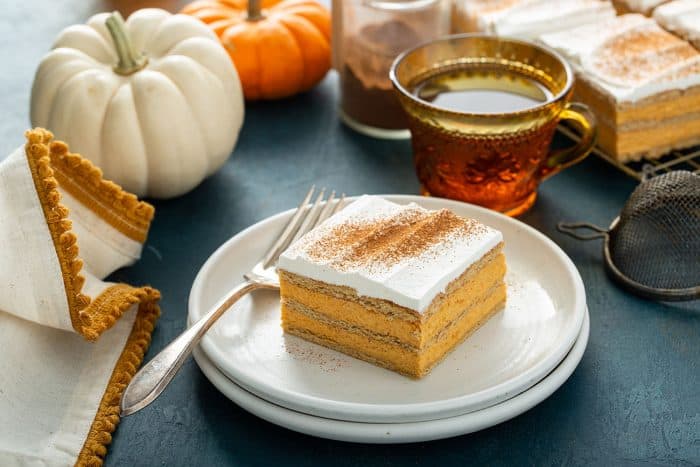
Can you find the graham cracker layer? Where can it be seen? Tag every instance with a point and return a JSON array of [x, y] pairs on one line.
[[412, 362], [649, 127], [387, 318], [669, 104], [374, 333], [651, 141]]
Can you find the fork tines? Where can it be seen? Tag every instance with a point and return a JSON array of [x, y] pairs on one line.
[[306, 217]]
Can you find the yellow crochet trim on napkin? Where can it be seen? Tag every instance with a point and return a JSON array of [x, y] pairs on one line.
[[107, 418], [79, 177], [118, 208], [51, 164]]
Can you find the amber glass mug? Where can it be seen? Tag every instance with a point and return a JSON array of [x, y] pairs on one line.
[[495, 160]]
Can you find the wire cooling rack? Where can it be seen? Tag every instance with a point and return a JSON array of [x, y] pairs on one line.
[[686, 159]]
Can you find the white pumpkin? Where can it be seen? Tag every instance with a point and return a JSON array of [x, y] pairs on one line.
[[155, 101]]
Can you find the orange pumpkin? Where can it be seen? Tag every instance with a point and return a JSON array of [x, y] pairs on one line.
[[279, 48]]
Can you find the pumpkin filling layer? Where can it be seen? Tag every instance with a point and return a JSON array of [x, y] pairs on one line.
[[397, 286], [320, 320]]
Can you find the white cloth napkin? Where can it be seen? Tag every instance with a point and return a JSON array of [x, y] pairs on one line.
[[70, 341]]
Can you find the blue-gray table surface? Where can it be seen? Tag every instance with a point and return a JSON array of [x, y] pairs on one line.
[[633, 400]]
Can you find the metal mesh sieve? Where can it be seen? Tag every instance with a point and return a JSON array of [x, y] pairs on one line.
[[653, 247]]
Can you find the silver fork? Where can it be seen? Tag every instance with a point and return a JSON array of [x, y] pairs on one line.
[[151, 380]]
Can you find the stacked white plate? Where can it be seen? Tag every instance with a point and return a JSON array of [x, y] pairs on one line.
[[513, 362]]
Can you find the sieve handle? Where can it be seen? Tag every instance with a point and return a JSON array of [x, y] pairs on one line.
[[583, 118], [572, 229]]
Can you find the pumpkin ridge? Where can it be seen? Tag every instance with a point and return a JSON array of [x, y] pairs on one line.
[[308, 79], [219, 27], [144, 140], [53, 71], [177, 161], [104, 118], [76, 80], [258, 66], [313, 15], [185, 95], [298, 57], [103, 33], [149, 38], [146, 174], [68, 35], [250, 74], [206, 70], [154, 38], [302, 54], [106, 166], [175, 44], [77, 55]]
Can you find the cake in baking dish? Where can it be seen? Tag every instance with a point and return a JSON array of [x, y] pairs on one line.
[[527, 18], [395, 285], [642, 82]]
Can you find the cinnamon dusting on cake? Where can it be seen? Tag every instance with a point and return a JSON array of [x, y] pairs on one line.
[[644, 54], [385, 242]]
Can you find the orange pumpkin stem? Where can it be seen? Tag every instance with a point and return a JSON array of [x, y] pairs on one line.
[[254, 11], [129, 61]]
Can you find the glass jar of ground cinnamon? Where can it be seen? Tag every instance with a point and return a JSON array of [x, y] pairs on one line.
[[368, 35]]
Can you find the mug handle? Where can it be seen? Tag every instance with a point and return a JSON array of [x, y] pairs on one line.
[[560, 159]]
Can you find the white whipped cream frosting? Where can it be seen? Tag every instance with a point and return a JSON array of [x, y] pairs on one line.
[[583, 46], [413, 282], [681, 17], [529, 19], [533, 18]]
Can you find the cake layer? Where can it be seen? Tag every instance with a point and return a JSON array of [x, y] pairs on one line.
[[681, 17], [388, 319], [303, 322], [400, 253], [649, 140]]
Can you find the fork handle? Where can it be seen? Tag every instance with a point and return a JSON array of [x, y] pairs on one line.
[[152, 378]]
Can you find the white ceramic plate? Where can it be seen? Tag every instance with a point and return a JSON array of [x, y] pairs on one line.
[[398, 432], [506, 356]]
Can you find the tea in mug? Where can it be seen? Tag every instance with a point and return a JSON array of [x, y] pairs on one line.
[[477, 91], [482, 111], [489, 171]]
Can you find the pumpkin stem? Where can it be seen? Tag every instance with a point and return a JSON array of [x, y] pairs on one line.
[[129, 61], [254, 9]]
